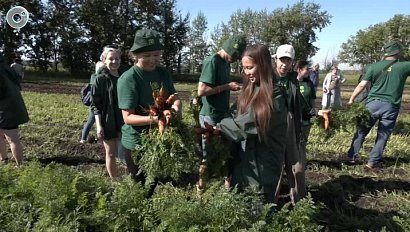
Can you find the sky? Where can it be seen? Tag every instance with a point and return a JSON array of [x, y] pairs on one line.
[[348, 16]]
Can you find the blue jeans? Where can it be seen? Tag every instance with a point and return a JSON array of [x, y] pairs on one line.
[[386, 114], [87, 126], [205, 146]]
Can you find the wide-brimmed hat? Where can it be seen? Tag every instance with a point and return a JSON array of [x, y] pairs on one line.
[[392, 48], [235, 46], [146, 40]]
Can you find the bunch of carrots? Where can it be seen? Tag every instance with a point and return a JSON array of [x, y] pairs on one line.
[[162, 108]]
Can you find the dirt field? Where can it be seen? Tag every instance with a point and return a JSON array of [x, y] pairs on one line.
[[185, 95]]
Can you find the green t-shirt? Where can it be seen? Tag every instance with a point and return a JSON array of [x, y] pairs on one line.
[[308, 92], [390, 84], [215, 71], [135, 88]]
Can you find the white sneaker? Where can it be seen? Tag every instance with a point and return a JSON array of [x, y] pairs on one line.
[[82, 141]]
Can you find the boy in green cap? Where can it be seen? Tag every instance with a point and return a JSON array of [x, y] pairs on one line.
[[135, 88], [214, 87], [387, 78]]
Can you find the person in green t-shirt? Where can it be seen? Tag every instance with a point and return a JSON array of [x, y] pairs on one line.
[[135, 88], [307, 89], [214, 87], [260, 126], [383, 101]]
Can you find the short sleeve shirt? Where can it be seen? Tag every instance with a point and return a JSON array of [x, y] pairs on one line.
[[390, 85], [215, 71], [308, 93], [135, 88]]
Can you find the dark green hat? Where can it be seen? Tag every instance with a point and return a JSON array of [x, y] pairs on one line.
[[392, 48], [235, 46], [146, 40]]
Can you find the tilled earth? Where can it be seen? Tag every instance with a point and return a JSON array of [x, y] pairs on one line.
[[184, 95], [343, 193]]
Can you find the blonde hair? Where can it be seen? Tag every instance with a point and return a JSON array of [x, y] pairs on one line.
[[106, 51], [98, 65]]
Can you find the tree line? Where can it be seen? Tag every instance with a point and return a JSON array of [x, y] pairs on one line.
[[71, 33]]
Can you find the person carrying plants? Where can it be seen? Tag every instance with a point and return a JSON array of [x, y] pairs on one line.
[[214, 89], [388, 78], [260, 126], [13, 112], [104, 106], [135, 92]]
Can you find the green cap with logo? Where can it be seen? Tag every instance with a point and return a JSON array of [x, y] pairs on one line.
[[235, 46], [392, 48], [146, 40]]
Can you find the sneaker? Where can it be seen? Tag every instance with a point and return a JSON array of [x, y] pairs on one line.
[[374, 167], [350, 160], [82, 141]]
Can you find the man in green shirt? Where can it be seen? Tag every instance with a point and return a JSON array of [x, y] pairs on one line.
[[383, 101], [214, 84]]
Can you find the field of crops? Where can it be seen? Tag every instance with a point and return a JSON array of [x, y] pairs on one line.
[[64, 186]]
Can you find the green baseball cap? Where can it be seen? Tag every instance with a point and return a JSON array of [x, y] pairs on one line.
[[146, 40], [392, 48], [235, 46]]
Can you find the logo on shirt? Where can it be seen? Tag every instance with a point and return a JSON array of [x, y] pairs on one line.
[[302, 89]]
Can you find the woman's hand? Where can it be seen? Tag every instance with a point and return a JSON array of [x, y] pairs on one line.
[[100, 132]]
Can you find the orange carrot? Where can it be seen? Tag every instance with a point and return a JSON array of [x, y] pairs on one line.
[[326, 118], [161, 126], [167, 114], [153, 111], [162, 92], [170, 99]]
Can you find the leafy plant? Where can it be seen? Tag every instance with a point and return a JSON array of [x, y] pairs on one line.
[[169, 154], [346, 119]]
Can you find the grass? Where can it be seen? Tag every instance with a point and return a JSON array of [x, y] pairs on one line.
[[350, 198]]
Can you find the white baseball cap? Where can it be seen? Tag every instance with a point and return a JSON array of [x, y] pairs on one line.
[[285, 50]]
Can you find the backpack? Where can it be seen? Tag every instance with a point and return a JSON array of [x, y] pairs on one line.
[[86, 94]]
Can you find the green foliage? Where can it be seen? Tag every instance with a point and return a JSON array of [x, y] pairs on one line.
[[365, 47], [168, 155], [300, 218], [59, 198], [346, 119], [215, 210], [295, 25]]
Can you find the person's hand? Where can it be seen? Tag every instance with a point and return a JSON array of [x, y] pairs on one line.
[[350, 102], [234, 86], [100, 133], [325, 90]]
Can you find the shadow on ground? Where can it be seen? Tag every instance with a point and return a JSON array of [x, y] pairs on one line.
[[345, 209]]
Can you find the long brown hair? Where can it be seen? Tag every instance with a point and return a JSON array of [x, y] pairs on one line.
[[262, 101]]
